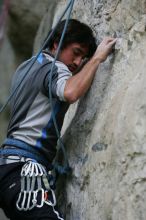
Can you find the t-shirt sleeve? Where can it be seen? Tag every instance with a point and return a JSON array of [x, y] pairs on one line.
[[59, 77]]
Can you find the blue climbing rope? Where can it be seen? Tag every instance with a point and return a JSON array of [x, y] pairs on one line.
[[61, 169]]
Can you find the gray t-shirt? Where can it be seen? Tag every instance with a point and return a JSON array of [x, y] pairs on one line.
[[31, 113]]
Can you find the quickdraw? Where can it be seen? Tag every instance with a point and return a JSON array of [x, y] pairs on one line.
[[34, 187]]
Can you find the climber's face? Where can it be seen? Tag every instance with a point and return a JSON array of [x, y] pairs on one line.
[[73, 56]]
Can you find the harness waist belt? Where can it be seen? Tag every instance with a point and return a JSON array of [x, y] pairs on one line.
[[23, 150]]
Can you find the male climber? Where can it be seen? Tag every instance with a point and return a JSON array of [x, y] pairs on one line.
[[30, 146]]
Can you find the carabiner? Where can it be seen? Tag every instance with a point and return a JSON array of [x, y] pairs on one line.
[[22, 197]]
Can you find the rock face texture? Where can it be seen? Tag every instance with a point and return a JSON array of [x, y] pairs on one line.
[[105, 132]]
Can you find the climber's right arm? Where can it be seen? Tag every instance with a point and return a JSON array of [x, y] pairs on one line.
[[77, 85]]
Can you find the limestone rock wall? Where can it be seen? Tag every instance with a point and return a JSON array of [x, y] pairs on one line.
[[105, 132]]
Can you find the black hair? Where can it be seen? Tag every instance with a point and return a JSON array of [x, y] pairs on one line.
[[76, 32]]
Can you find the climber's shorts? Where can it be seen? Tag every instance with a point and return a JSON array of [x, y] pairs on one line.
[[10, 186]]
